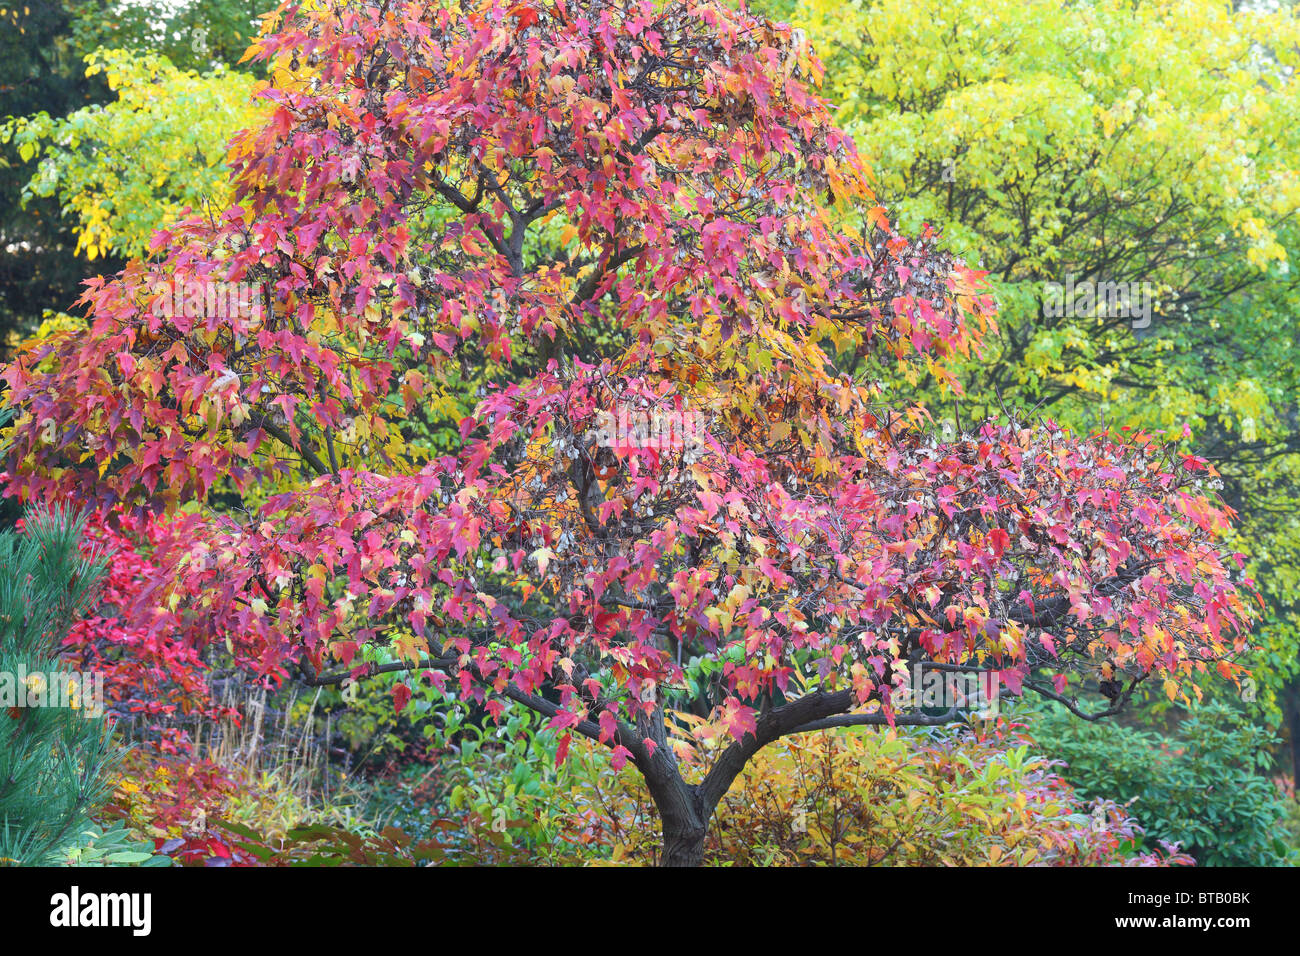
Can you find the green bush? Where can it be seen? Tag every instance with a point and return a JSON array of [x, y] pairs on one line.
[[931, 796], [495, 794], [1203, 787]]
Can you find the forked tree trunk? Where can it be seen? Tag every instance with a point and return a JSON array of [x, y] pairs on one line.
[[683, 841], [684, 808], [684, 819], [681, 805]]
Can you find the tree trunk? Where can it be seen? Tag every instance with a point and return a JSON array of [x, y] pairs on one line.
[[680, 804], [683, 843], [685, 822], [1291, 705]]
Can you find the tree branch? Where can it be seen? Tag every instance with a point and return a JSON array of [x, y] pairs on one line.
[[309, 456]]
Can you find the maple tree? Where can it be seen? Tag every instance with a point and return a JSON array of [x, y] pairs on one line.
[[442, 190]]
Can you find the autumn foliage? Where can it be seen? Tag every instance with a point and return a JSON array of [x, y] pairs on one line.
[[490, 187], [154, 679]]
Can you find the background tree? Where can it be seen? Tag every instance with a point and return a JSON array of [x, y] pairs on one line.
[[43, 74], [1152, 143], [668, 173], [40, 69], [192, 36], [124, 169]]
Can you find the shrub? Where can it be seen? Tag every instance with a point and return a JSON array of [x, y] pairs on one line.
[[922, 797], [1202, 787], [113, 845], [496, 793], [914, 797]]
